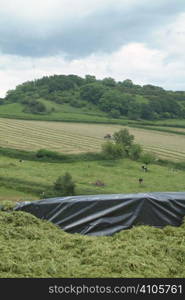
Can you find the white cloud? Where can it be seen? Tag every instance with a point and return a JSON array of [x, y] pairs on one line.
[[171, 38], [132, 41], [47, 8], [135, 61]]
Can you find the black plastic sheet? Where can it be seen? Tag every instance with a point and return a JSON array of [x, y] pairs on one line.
[[107, 214]]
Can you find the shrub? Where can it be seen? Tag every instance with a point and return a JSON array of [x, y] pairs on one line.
[[64, 185], [135, 151], [47, 154], [148, 158], [112, 151], [115, 113], [123, 137], [34, 107]]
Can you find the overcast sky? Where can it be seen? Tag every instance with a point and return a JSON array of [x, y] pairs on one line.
[[137, 39]]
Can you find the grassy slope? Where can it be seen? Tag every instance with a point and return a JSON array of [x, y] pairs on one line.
[[31, 178], [34, 248], [63, 112]]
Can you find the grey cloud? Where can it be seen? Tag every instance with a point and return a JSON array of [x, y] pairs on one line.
[[103, 31]]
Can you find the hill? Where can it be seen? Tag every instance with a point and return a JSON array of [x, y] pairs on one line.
[[72, 98]]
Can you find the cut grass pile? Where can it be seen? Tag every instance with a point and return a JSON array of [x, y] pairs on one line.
[[31, 247]]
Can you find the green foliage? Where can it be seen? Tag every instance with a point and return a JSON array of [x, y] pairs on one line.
[[114, 113], [123, 137], [110, 82], [113, 151], [44, 153], [34, 107], [123, 146], [64, 185], [92, 92], [135, 151], [117, 99], [148, 158]]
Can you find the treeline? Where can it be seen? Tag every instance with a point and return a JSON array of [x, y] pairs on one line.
[[117, 99]]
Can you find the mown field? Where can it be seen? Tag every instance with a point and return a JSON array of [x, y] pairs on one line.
[[69, 137]]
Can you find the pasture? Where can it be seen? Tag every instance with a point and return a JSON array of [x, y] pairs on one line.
[[69, 137], [27, 180]]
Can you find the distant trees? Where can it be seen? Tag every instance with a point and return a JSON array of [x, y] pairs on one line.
[[110, 82], [117, 99], [92, 92]]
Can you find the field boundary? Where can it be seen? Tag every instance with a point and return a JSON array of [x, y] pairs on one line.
[[157, 129]]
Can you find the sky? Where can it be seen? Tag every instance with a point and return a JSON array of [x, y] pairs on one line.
[[140, 40]]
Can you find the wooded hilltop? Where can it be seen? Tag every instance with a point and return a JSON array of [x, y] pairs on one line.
[[122, 99]]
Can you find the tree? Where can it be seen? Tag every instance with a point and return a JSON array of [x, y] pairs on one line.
[[111, 99], [148, 158], [35, 107], [127, 83], [123, 137], [64, 185], [113, 151], [92, 92], [114, 113], [134, 110], [135, 151], [90, 78], [108, 81]]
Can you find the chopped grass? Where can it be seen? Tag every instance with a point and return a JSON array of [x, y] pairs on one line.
[[31, 247]]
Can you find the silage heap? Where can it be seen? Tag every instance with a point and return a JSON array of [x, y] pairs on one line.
[[31, 247]]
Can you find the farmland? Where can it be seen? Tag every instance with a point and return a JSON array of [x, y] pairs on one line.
[[28, 244], [27, 180], [69, 137]]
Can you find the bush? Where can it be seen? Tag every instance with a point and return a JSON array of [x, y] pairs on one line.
[[44, 153], [64, 185], [34, 107], [123, 137], [113, 151], [114, 113], [148, 158], [135, 151]]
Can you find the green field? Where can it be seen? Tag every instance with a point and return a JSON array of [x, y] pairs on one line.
[[63, 112], [35, 248], [31, 178], [69, 137]]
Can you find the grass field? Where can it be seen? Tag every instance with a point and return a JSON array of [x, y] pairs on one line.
[[63, 112], [27, 180], [81, 137], [31, 247]]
